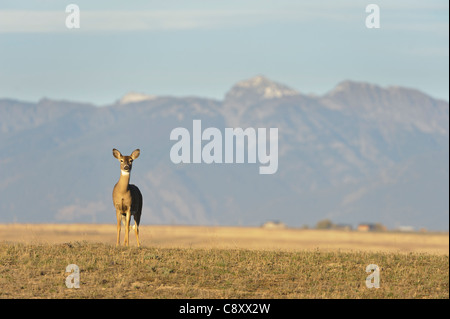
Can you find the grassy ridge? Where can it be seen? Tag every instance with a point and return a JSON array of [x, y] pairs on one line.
[[38, 271]]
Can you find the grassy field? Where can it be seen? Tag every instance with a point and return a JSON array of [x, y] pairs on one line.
[[202, 262]]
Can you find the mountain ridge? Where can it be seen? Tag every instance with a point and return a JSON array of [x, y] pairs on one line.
[[140, 96], [336, 159]]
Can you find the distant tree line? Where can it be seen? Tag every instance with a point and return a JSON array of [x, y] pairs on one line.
[[328, 224]]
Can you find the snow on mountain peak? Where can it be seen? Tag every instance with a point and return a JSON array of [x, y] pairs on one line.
[[134, 97], [263, 87]]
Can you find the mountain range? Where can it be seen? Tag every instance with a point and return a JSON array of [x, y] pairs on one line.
[[359, 153]]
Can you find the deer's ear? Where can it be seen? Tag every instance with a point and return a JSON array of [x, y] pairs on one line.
[[116, 154], [135, 154]]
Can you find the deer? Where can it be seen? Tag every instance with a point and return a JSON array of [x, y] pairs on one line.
[[127, 198]]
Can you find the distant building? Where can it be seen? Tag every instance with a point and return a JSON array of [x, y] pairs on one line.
[[274, 224], [365, 227], [405, 229]]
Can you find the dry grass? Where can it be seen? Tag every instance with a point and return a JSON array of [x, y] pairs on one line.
[[202, 262], [232, 237], [38, 271]]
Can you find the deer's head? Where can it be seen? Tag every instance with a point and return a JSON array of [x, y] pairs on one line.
[[126, 162]]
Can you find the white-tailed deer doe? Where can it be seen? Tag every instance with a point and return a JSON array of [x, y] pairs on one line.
[[127, 198]]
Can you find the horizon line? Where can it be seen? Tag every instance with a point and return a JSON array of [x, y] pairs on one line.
[[193, 95]]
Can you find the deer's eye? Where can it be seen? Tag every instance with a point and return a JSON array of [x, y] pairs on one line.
[[121, 161]]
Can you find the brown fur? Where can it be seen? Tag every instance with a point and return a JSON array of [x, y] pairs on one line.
[[127, 198]]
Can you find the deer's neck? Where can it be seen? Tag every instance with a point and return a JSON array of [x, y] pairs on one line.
[[124, 180]]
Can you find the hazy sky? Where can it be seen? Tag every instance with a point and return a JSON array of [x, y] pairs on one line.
[[202, 48]]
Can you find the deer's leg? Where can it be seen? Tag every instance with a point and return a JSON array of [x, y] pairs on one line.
[[119, 218], [127, 227], [136, 231]]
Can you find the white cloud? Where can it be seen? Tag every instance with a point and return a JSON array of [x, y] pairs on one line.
[[20, 21], [31, 21], [398, 15], [53, 21]]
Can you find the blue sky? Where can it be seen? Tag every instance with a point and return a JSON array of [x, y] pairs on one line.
[[201, 48]]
